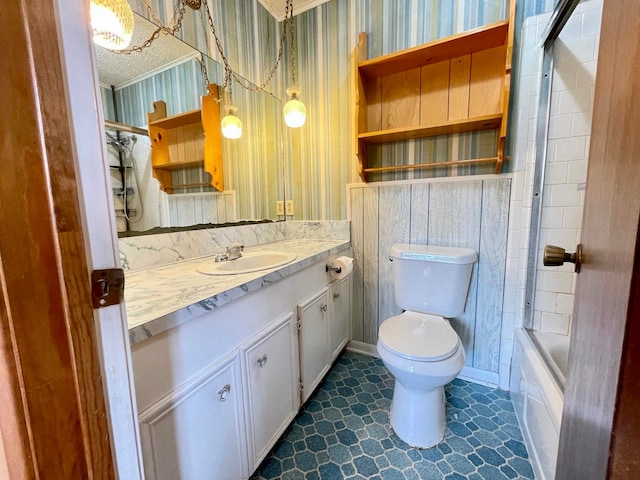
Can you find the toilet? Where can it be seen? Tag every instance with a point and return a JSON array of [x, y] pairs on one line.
[[419, 347]]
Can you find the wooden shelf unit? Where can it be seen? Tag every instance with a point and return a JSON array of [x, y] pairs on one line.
[[457, 84], [187, 140]]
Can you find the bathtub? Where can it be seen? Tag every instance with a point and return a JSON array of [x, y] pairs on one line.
[[537, 396]]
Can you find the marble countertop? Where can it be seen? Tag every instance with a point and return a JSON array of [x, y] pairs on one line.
[[163, 297]]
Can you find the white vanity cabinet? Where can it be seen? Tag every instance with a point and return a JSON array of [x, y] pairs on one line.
[[339, 315], [315, 355], [216, 392], [324, 331], [270, 373], [196, 431]]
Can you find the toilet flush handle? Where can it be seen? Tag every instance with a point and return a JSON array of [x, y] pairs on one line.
[[556, 256]]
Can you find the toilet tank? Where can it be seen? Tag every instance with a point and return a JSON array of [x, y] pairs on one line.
[[432, 279]]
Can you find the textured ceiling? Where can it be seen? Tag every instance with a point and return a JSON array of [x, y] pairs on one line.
[[277, 7], [120, 69]]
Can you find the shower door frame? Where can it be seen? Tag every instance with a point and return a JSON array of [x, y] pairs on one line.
[[559, 17]]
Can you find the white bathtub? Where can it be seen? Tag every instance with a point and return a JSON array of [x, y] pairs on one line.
[[538, 398]]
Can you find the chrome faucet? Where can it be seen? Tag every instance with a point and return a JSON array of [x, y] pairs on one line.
[[234, 251], [231, 252]]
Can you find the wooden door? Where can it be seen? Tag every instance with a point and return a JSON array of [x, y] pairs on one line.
[[605, 285], [67, 405], [53, 418]]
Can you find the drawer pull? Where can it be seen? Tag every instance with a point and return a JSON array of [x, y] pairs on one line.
[[262, 361], [224, 393], [336, 296], [324, 307]]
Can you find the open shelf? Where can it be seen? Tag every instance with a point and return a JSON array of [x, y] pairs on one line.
[[179, 165], [452, 85], [179, 120], [466, 43], [486, 122], [187, 140]]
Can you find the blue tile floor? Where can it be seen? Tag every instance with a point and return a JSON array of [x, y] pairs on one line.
[[343, 432]]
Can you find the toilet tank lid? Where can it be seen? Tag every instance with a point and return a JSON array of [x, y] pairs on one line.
[[433, 253]]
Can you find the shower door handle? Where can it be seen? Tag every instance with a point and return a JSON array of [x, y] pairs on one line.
[[556, 256]]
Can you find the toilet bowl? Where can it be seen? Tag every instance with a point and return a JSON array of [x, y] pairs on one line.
[[419, 347], [431, 357]]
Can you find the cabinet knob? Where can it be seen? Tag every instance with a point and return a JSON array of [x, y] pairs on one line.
[[262, 361], [336, 296], [324, 307], [224, 393]]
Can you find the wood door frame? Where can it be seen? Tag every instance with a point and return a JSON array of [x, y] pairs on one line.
[[67, 397], [609, 235]]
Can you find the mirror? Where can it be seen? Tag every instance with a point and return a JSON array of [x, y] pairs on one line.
[[169, 70]]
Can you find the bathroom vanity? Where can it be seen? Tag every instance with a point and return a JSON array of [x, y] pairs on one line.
[[222, 363]]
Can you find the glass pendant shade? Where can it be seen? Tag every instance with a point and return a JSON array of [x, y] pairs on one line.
[[295, 113], [112, 23], [231, 124]]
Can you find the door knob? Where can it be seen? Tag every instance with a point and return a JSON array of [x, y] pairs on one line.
[[556, 256]]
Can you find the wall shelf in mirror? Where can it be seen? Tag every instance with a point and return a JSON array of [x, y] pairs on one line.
[[452, 85], [187, 140]]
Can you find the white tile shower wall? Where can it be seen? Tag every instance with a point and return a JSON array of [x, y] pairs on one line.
[[575, 58], [562, 212], [469, 212], [526, 112]]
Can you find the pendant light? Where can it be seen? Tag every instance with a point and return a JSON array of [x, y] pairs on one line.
[[294, 110], [295, 113], [112, 23], [231, 124]]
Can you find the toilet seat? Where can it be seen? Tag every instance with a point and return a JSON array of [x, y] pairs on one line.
[[419, 336]]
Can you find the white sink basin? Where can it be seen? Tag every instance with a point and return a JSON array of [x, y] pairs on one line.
[[249, 262]]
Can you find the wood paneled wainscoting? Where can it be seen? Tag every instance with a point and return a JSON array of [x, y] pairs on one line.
[[471, 212]]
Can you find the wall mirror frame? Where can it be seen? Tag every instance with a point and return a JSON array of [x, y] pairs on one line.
[[170, 71]]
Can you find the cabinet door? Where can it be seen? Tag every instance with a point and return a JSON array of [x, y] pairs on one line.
[[270, 370], [196, 432], [315, 355], [340, 301]]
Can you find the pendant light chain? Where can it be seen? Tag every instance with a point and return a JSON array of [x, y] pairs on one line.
[[294, 67], [233, 75], [230, 75], [161, 28]]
